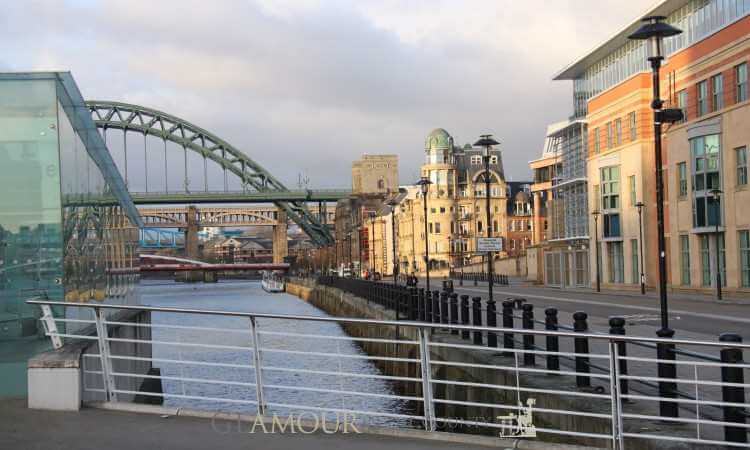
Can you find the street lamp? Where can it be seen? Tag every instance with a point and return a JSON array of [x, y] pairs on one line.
[[487, 142], [716, 195], [596, 214], [424, 185], [640, 206], [393, 203], [654, 30]]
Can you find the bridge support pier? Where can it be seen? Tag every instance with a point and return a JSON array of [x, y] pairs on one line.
[[191, 233], [280, 249]]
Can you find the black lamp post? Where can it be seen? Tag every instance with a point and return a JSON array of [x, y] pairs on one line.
[[640, 206], [424, 185], [487, 142], [654, 30], [596, 214], [393, 203], [716, 195]]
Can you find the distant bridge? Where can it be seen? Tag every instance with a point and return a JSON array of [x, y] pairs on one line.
[[194, 198], [219, 216]]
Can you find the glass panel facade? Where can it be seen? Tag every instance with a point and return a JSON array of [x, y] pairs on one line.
[[744, 236], [685, 260], [706, 154], [616, 262]]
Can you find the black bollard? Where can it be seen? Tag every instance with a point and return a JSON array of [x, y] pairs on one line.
[[475, 279], [444, 307], [492, 323], [435, 307], [461, 279], [553, 342], [581, 348], [454, 311], [508, 324], [617, 327], [465, 315], [476, 309], [420, 305], [413, 304], [428, 306], [733, 394], [529, 359], [666, 371]]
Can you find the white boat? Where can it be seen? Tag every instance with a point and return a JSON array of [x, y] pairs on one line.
[[272, 282]]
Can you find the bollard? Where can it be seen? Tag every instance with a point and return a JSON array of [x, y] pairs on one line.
[[491, 322], [529, 359], [420, 305], [581, 346], [553, 343], [428, 306], [508, 324], [444, 307], [464, 315], [475, 279], [413, 304], [666, 371], [435, 307], [461, 279], [733, 394], [454, 311], [617, 327], [476, 309]]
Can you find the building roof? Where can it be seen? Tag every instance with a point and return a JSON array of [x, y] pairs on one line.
[[438, 139], [618, 39]]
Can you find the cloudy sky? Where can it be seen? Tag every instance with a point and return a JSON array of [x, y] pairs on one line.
[[306, 86]]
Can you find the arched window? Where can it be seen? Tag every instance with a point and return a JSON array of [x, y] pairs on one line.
[[381, 184]]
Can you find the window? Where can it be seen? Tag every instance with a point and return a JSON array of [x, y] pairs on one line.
[[682, 103], [616, 262], [493, 159], [437, 227], [682, 179], [631, 121], [432, 210], [430, 224], [609, 135], [494, 226], [702, 98], [740, 155], [744, 258], [685, 260], [634, 273], [476, 159], [722, 259], [479, 226], [442, 210], [631, 184], [705, 261], [618, 129], [717, 92], [610, 187], [597, 143], [740, 74], [705, 152]]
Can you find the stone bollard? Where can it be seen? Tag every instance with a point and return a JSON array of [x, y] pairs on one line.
[[733, 394], [476, 309], [444, 307], [508, 324], [492, 323], [666, 371], [465, 315], [453, 300], [581, 348], [617, 328], [553, 342], [529, 359]]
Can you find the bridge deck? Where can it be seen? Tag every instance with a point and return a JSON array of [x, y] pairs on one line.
[[98, 429]]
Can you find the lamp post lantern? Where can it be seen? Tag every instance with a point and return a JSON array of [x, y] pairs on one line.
[[424, 185], [716, 195], [654, 30], [393, 203], [640, 206], [596, 214], [487, 142]]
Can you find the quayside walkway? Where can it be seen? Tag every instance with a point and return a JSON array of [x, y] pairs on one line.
[[96, 429]]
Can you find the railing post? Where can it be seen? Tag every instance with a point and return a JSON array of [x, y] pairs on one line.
[[492, 323], [435, 307], [465, 315], [733, 394], [529, 359], [666, 370], [475, 279], [50, 326], [104, 355], [581, 348], [553, 343], [413, 312], [257, 367], [420, 304], [617, 327], [428, 306], [444, 307], [454, 311], [508, 337], [476, 309], [424, 354]]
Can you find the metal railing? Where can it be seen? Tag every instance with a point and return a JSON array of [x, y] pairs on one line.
[[445, 374]]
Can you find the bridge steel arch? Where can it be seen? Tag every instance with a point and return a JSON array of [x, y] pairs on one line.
[[129, 117]]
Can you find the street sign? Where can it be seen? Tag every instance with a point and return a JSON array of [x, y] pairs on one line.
[[489, 244]]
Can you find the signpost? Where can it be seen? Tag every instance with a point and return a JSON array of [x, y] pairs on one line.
[[491, 244]]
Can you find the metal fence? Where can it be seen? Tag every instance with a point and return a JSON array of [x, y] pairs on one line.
[[450, 371]]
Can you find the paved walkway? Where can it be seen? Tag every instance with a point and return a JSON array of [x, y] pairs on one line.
[[97, 429]]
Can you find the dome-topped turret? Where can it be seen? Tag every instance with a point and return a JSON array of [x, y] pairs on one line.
[[438, 139]]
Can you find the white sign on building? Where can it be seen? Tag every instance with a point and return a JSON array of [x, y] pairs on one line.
[[485, 244]]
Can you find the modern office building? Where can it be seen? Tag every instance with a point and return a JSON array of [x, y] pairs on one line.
[[65, 214], [705, 74]]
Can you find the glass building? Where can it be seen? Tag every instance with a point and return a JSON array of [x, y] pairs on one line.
[[66, 218]]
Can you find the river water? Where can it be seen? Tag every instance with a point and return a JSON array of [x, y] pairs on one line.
[[247, 296]]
